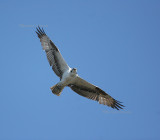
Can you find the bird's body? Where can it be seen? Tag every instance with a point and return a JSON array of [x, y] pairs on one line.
[[69, 77]]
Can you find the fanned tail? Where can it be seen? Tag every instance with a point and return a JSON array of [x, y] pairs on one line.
[[57, 89]]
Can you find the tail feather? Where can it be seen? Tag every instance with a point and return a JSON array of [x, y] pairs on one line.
[[57, 89]]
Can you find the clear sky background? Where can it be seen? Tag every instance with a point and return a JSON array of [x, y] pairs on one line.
[[114, 44]]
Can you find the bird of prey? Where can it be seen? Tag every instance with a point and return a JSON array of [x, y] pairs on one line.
[[69, 77]]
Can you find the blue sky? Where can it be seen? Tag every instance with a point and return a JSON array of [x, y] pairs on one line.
[[114, 44]]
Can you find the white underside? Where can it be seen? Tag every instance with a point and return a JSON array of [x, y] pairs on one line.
[[68, 78]]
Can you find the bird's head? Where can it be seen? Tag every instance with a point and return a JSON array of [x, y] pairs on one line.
[[74, 70]]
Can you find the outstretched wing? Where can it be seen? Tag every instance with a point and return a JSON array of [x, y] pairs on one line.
[[54, 56], [90, 91]]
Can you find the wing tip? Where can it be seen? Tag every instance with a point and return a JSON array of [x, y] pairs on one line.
[[40, 31], [117, 105], [113, 103]]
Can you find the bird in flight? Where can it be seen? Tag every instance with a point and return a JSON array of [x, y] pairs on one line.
[[69, 77]]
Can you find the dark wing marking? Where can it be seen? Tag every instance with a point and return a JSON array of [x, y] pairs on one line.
[[54, 56], [90, 91]]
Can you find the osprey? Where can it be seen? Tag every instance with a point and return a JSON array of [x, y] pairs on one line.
[[69, 77]]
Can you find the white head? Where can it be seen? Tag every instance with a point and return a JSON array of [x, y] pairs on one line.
[[74, 71]]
